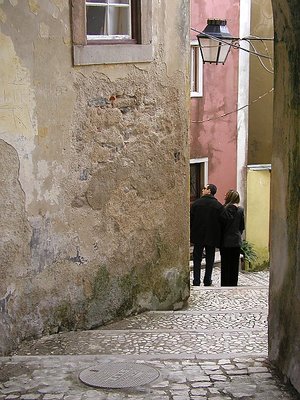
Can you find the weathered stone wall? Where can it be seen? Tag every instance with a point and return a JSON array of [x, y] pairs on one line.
[[284, 320], [94, 187]]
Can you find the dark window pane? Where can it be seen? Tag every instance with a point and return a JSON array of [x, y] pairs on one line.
[[196, 180], [95, 20]]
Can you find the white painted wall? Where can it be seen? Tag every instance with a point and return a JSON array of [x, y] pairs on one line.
[[243, 99]]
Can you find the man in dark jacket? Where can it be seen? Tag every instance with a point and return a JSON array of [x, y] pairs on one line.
[[205, 232]]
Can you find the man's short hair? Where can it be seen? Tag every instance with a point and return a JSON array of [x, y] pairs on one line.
[[212, 188]]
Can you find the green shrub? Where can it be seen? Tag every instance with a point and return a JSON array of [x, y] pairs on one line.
[[248, 251]]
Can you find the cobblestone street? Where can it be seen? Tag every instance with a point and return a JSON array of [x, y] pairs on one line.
[[214, 349]]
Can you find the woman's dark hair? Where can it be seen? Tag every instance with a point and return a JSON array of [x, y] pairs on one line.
[[232, 196]]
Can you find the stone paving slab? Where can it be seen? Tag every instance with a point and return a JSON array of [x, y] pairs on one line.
[[222, 299], [260, 278], [149, 342], [56, 378], [193, 320]]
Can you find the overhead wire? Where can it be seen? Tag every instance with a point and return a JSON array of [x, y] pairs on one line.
[[271, 71], [236, 110]]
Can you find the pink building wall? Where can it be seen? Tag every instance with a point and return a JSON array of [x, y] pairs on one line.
[[217, 138]]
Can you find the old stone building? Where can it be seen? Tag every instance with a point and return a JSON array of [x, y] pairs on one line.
[[94, 160]]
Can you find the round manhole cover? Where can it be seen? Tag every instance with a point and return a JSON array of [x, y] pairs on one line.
[[118, 375]]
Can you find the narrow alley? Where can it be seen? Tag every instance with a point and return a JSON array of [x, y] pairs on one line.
[[214, 349]]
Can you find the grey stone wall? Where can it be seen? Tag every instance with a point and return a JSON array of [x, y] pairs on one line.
[[94, 160], [284, 320]]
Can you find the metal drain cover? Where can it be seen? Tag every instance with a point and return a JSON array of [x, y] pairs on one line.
[[118, 375]]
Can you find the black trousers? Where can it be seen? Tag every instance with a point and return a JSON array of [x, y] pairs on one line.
[[230, 258], [197, 258]]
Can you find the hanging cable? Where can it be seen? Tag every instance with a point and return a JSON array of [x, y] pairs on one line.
[[234, 111], [271, 71]]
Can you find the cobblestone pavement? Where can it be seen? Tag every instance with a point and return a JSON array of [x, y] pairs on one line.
[[214, 349]]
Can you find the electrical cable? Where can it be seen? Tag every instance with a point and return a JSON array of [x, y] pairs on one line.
[[234, 111], [271, 71]]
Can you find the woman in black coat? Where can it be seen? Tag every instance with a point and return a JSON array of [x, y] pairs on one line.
[[233, 224]]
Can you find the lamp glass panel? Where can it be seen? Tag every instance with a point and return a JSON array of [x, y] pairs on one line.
[[224, 50], [209, 49]]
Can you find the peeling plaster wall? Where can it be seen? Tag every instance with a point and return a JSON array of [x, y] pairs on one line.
[[284, 319], [94, 188]]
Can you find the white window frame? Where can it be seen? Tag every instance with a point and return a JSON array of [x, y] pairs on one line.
[[199, 72], [201, 160]]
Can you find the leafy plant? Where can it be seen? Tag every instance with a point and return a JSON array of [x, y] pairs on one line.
[[248, 252]]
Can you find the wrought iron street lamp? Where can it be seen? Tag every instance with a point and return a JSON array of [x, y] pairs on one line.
[[215, 41]]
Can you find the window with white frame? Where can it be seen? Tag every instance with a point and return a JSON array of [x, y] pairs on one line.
[[198, 177], [111, 31], [109, 19], [196, 71]]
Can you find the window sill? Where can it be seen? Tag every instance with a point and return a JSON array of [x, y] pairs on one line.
[[195, 94], [112, 54]]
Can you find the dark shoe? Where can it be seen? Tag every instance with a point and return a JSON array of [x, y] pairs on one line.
[[196, 284]]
